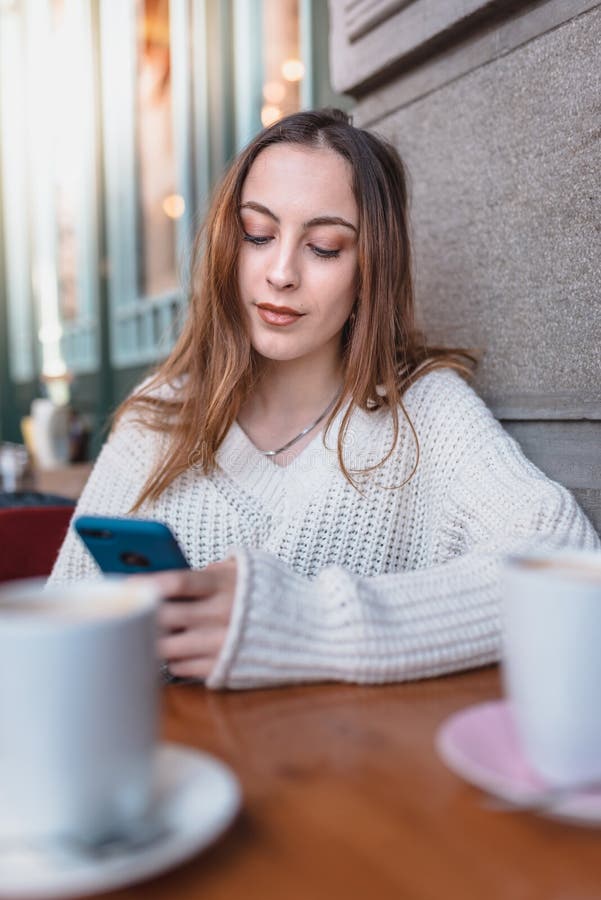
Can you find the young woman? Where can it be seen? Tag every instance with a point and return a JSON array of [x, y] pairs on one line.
[[343, 496]]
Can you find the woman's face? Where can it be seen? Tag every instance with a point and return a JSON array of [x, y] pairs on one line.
[[297, 269]]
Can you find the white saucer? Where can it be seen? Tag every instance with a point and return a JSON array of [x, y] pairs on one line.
[[197, 797], [482, 746]]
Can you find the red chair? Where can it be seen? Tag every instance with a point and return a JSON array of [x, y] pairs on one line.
[[30, 538]]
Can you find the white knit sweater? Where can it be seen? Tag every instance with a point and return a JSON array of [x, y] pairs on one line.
[[386, 585]]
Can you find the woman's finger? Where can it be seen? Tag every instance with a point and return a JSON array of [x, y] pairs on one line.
[[216, 578], [193, 613], [184, 583], [200, 642], [192, 668]]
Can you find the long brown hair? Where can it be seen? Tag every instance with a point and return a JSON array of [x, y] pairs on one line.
[[213, 366]]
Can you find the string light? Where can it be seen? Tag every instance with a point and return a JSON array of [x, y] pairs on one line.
[[174, 206], [293, 70], [274, 92], [270, 114]]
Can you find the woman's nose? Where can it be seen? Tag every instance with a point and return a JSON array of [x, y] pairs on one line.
[[282, 273]]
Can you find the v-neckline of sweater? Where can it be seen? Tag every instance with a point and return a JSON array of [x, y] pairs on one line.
[[253, 447], [295, 484], [242, 438]]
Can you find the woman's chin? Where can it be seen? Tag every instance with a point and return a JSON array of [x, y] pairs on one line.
[[281, 350], [278, 355], [285, 348]]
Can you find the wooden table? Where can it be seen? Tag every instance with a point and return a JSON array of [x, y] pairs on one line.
[[346, 798]]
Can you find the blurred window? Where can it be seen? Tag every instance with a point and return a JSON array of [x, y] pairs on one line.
[[159, 203], [66, 187], [147, 122], [70, 120], [282, 65], [13, 161], [48, 159]]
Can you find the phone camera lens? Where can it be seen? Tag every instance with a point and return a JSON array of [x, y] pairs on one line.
[[135, 559]]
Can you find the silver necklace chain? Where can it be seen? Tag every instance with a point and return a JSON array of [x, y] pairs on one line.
[[305, 430]]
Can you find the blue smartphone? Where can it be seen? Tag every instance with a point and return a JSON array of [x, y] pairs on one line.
[[129, 546]]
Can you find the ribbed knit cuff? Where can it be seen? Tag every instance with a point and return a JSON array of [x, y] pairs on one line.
[[218, 677], [285, 628]]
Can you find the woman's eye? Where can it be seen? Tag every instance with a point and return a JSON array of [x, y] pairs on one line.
[[324, 254], [258, 240]]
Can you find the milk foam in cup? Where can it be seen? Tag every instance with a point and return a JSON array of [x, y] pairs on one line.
[[552, 661], [78, 706]]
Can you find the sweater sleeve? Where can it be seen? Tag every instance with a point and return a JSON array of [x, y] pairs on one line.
[[111, 490], [406, 625]]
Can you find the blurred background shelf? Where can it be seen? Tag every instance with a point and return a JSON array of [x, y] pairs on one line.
[[65, 481]]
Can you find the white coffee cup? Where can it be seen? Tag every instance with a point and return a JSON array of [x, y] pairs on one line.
[[78, 706], [552, 661]]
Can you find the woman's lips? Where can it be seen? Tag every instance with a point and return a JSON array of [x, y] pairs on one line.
[[273, 317]]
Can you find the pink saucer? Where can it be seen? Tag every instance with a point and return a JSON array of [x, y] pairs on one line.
[[481, 745]]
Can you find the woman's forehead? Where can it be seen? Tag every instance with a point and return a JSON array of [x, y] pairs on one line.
[[315, 179]]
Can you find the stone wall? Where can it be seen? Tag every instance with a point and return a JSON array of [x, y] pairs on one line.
[[495, 109]]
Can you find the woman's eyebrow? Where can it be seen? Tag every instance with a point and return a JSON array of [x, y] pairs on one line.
[[329, 220], [258, 207], [318, 220]]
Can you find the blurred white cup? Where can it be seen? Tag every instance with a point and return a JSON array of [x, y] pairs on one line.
[[14, 461], [552, 661], [50, 429], [78, 706]]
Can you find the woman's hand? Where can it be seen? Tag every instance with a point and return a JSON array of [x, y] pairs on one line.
[[192, 631]]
